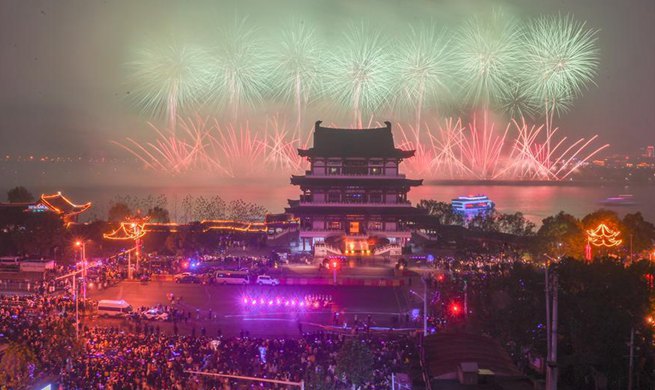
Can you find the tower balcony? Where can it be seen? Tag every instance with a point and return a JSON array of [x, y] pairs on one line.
[[356, 174], [306, 200]]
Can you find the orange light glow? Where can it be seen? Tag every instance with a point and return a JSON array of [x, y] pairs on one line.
[[603, 236]]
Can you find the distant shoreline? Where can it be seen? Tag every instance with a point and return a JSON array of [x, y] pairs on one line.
[[530, 183]]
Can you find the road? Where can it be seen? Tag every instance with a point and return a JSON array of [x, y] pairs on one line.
[[231, 315]]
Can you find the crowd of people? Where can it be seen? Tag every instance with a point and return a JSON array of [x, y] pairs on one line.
[[145, 358], [117, 360]]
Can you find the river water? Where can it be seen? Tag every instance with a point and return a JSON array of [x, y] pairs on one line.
[[100, 186]]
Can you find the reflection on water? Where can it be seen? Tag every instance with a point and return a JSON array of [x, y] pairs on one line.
[[101, 184]]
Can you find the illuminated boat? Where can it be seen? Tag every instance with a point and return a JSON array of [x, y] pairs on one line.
[[619, 200], [472, 205]]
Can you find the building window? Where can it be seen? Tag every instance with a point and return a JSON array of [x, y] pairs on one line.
[[376, 171], [376, 225], [375, 197], [334, 197], [334, 171], [334, 225]]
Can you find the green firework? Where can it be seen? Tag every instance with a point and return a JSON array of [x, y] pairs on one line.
[[169, 78], [240, 67], [297, 64], [424, 64], [361, 74], [487, 57], [560, 58]]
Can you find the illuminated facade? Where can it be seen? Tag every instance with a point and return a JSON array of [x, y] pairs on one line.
[[353, 197], [55, 203]]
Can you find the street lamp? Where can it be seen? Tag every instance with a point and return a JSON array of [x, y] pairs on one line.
[[425, 305], [82, 244]]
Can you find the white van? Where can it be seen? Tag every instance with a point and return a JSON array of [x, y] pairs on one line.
[[231, 277], [111, 308]]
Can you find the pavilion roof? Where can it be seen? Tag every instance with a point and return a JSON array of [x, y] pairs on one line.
[[367, 143]]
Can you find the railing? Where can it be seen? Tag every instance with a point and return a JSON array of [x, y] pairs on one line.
[[340, 204], [357, 175]]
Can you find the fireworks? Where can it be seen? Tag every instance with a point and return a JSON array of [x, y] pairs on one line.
[[169, 77], [560, 58], [361, 75], [486, 57], [297, 60], [494, 64], [482, 150], [240, 68], [424, 66]]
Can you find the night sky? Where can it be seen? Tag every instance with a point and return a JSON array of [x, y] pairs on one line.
[[62, 69]]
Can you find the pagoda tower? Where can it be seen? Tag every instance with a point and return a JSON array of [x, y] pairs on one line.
[[354, 198]]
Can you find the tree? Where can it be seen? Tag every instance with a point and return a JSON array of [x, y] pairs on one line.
[[355, 361], [40, 234], [118, 212], [19, 195], [596, 314], [485, 221], [641, 231], [17, 364], [607, 217], [158, 215], [316, 379], [561, 235], [515, 224], [442, 210], [245, 211]]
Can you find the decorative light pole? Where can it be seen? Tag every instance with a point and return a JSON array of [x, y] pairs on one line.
[[131, 229], [602, 236]]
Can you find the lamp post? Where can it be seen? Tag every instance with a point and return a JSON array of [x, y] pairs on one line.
[[425, 305], [551, 289], [82, 244]]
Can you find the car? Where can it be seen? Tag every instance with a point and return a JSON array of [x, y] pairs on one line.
[[155, 314], [188, 279], [181, 275], [266, 279]]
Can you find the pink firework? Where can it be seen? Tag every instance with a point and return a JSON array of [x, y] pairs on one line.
[[170, 152]]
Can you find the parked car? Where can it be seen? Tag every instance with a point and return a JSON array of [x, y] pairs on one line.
[[155, 314], [267, 280], [181, 275], [188, 279]]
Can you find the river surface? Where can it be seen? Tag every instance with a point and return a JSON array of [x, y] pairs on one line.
[[102, 185]]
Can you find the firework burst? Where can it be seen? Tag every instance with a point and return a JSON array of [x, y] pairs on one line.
[[486, 55], [560, 58], [240, 68], [424, 66], [360, 75], [168, 78], [297, 64]]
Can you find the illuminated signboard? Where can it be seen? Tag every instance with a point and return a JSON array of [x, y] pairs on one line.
[[38, 208]]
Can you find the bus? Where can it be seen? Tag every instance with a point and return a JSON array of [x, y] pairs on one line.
[[231, 277], [111, 308]]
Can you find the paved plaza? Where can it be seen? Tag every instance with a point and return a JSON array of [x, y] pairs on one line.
[[387, 306]]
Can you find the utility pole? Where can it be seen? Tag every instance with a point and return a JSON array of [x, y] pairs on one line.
[[77, 310], [632, 357], [551, 327], [466, 299], [553, 337], [425, 306], [548, 343]]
